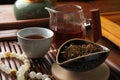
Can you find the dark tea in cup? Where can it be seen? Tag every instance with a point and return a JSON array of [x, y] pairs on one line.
[[35, 41], [34, 37]]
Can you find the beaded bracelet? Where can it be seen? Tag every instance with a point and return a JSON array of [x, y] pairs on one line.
[[23, 68]]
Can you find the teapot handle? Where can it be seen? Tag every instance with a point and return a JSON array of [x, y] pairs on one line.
[[95, 24]]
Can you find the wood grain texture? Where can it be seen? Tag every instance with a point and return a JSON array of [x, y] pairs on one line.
[[111, 27]]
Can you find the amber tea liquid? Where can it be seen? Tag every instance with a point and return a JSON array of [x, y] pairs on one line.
[[34, 37], [67, 22], [68, 32]]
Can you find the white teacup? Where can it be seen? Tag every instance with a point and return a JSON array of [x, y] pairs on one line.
[[35, 41]]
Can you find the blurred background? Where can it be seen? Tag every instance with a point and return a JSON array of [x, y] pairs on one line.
[[7, 1]]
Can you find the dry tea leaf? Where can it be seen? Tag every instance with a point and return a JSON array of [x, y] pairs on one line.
[[73, 50]]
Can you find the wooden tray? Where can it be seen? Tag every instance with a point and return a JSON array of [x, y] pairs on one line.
[[111, 26], [38, 65]]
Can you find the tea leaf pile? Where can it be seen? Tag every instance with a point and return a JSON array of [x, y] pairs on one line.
[[73, 50]]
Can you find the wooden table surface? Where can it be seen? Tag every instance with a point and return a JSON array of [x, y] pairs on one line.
[[8, 20]]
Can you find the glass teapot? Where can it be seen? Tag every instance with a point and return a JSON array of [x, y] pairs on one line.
[[68, 21]]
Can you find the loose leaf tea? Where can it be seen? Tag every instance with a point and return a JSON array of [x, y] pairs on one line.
[[73, 50]]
